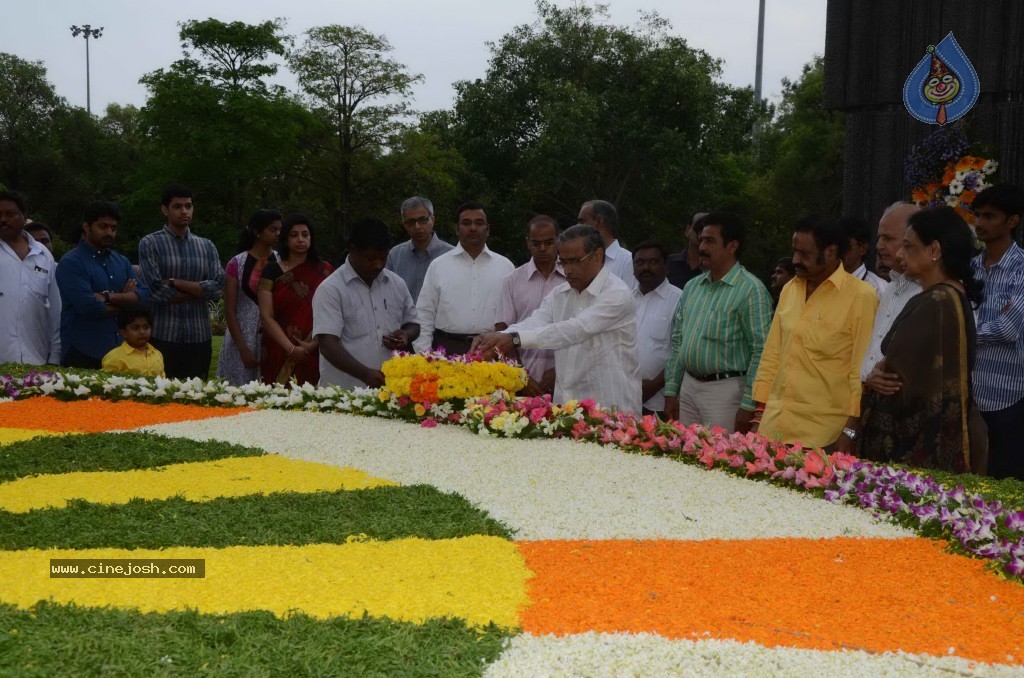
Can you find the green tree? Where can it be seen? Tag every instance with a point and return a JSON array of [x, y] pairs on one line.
[[360, 96], [28, 106], [800, 164], [213, 122], [573, 107]]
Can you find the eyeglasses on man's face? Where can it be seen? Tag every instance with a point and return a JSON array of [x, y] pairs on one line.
[[573, 263], [422, 221]]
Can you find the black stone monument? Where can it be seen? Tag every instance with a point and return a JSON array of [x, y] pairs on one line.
[[871, 46]]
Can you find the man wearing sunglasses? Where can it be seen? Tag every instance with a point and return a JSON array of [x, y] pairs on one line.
[[589, 322]]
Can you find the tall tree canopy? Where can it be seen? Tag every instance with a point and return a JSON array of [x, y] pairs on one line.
[[214, 122], [573, 107], [360, 95]]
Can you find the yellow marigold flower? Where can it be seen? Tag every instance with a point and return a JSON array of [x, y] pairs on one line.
[[419, 410], [479, 579]]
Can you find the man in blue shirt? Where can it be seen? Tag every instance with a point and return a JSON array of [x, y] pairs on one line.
[[999, 365], [94, 281]]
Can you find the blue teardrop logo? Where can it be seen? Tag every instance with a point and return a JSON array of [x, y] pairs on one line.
[[943, 86]]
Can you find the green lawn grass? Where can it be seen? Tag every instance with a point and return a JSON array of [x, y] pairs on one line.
[[64, 640], [108, 452], [381, 513]]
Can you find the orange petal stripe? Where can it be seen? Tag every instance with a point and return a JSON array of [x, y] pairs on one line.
[[870, 594], [96, 415]]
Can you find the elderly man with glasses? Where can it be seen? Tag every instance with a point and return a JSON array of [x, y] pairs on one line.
[[589, 322], [411, 259]]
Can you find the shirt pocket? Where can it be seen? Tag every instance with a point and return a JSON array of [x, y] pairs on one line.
[[828, 345], [38, 284], [358, 321], [659, 328]]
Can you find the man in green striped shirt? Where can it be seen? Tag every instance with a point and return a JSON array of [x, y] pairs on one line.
[[721, 323]]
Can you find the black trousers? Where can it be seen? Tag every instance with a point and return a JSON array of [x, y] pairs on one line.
[[453, 344], [76, 358], [1006, 441], [184, 361]]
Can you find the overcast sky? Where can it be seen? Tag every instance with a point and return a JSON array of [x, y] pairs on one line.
[[444, 40]]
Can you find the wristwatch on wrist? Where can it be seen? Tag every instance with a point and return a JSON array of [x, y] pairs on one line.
[[170, 283], [849, 433], [515, 339], [106, 296]]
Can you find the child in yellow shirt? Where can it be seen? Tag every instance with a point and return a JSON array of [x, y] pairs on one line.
[[135, 355]]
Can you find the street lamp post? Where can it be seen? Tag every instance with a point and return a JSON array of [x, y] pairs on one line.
[[87, 32]]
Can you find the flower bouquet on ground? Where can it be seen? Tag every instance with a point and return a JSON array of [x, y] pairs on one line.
[[438, 383], [945, 170]]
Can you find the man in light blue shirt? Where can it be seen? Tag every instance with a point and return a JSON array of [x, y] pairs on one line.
[[999, 365], [411, 259]]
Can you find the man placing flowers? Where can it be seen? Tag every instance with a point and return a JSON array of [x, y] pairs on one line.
[[590, 323]]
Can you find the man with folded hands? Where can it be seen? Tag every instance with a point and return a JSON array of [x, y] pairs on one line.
[[362, 311]]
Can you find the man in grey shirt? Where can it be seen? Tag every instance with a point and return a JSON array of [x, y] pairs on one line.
[[411, 259], [362, 312]]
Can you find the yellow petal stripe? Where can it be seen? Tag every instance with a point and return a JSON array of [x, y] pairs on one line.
[[479, 579], [196, 481], [14, 435]]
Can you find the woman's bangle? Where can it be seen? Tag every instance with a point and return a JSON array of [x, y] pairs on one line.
[[293, 350]]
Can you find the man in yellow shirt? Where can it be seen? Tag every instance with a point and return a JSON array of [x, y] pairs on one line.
[[808, 383], [135, 355]]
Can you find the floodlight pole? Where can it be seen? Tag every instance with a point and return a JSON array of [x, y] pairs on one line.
[[759, 66], [87, 32]]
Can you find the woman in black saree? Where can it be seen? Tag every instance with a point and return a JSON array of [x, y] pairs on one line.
[[931, 348]]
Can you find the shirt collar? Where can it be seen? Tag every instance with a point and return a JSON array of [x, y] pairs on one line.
[[1014, 252], [861, 272], [661, 290], [85, 245], [531, 269], [432, 247], [170, 232], [129, 349], [458, 249], [729, 278], [599, 282], [613, 250], [839, 277], [348, 274]]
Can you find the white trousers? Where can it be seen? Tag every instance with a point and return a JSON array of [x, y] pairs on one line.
[[711, 403]]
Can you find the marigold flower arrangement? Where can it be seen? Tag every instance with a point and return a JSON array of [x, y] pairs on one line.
[[945, 171], [429, 378]]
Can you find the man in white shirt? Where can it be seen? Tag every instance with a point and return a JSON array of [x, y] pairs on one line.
[[362, 312], [656, 301], [522, 292], [29, 297], [460, 293], [602, 215], [589, 321], [860, 242], [891, 229]]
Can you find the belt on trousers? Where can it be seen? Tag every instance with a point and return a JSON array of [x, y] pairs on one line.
[[717, 376], [441, 334]]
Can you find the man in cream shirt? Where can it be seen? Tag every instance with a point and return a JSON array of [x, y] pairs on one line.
[[461, 290]]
